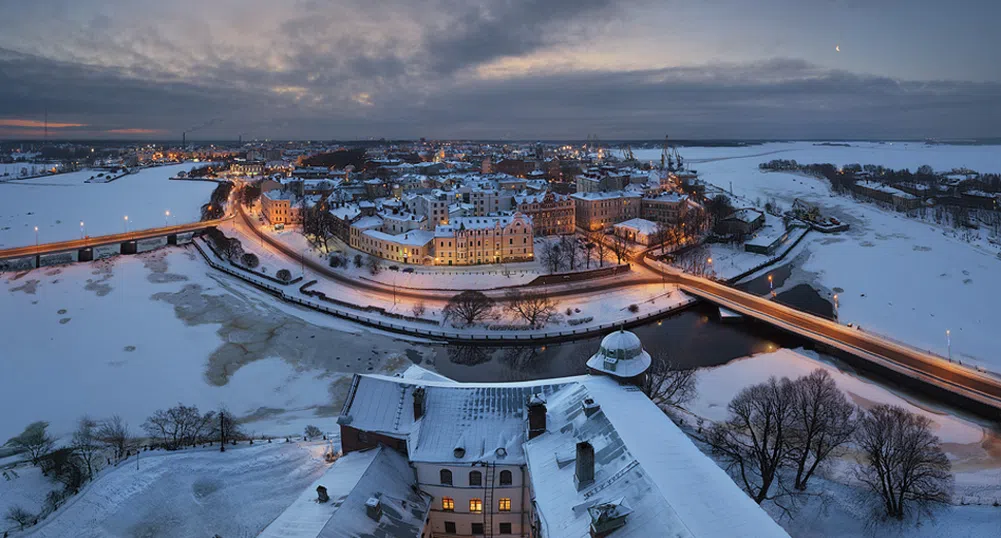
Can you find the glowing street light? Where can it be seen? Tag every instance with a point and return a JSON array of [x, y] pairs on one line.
[[36, 236], [83, 231], [770, 283], [948, 342], [835, 306], [166, 215], [126, 224]]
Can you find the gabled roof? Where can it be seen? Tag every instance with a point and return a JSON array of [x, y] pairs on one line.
[[379, 473], [642, 459], [480, 419]]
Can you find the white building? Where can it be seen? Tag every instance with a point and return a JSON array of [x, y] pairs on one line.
[[571, 457], [639, 231]]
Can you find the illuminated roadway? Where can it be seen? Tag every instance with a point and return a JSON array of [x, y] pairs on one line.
[[913, 363], [89, 242], [978, 386]]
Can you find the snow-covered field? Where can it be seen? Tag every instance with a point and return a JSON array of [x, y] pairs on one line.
[[132, 334], [57, 204], [195, 492], [900, 277], [972, 447]]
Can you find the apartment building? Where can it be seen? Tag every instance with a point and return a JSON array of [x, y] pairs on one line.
[[476, 240]]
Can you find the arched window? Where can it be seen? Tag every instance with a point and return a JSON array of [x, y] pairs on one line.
[[446, 477], [505, 478], [475, 478]]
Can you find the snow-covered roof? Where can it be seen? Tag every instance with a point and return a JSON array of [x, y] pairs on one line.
[[745, 215], [671, 197], [641, 226], [605, 195], [366, 223], [478, 223], [643, 463], [872, 185], [479, 419], [621, 355], [278, 194], [415, 238], [345, 212], [379, 473]]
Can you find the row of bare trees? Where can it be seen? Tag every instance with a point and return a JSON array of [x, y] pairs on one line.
[[573, 253], [780, 432], [181, 426], [536, 308]]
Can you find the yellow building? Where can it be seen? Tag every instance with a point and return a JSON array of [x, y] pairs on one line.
[[476, 240], [279, 207]]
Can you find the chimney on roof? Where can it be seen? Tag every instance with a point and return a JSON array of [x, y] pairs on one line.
[[419, 395], [321, 494], [373, 508], [590, 406], [536, 416], [584, 473]]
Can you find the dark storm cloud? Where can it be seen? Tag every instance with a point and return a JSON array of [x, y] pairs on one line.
[[774, 99], [485, 30]]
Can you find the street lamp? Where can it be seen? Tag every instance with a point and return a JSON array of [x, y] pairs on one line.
[[166, 216], [835, 306], [770, 283], [948, 342], [83, 231], [126, 224], [36, 236]]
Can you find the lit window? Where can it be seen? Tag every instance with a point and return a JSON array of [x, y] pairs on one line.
[[447, 504], [476, 505], [504, 505]]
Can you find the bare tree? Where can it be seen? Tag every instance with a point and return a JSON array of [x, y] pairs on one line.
[[600, 247], [19, 516], [178, 426], [85, 442], [374, 265], [569, 251], [312, 432], [536, 308], [34, 440], [666, 384], [227, 429], [551, 257], [468, 307], [619, 247], [823, 422], [753, 442], [418, 309], [114, 434], [903, 461]]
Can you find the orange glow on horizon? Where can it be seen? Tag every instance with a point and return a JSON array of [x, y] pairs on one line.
[[34, 124]]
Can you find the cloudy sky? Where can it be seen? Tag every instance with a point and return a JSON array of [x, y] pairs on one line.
[[524, 69]]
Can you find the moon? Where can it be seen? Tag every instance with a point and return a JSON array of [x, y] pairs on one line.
[[837, 48]]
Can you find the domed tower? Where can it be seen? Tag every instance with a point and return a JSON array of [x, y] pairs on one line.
[[621, 356]]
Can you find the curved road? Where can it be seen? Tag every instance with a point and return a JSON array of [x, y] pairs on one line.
[[928, 368], [915, 363]]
